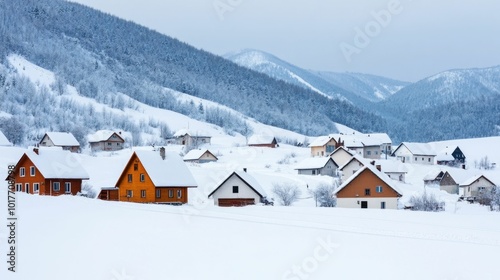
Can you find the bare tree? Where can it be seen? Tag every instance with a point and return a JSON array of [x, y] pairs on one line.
[[426, 202], [324, 196], [286, 194], [88, 191], [490, 198]]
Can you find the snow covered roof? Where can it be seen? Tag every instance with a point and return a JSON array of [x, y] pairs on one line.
[[474, 178], [377, 173], [102, 135], [314, 163], [392, 166], [4, 141], [432, 175], [357, 158], [357, 140], [446, 154], [258, 139], [247, 178], [421, 149], [168, 172], [341, 148], [383, 137], [62, 139], [55, 163], [185, 131], [196, 154], [320, 141]]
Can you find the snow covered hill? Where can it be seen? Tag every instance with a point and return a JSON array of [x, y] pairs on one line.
[[352, 86]]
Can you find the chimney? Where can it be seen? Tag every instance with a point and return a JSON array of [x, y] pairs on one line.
[[379, 167], [245, 169], [35, 149], [162, 153]]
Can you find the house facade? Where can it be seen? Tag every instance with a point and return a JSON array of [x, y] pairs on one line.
[[65, 140], [420, 153], [200, 156], [238, 189], [105, 140], [368, 188], [190, 139], [451, 156], [152, 177], [46, 171], [318, 166], [475, 186], [341, 156], [443, 179], [351, 167], [323, 146]]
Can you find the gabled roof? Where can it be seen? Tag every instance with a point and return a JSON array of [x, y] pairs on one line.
[[392, 166], [357, 140], [419, 149], [247, 179], [315, 163], [320, 141], [446, 154], [62, 139], [3, 140], [197, 154], [184, 131], [356, 158], [373, 170], [168, 172], [260, 139], [341, 148], [473, 179], [55, 163], [102, 135], [383, 137]]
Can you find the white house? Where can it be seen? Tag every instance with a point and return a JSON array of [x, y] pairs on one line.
[[368, 188], [238, 189], [352, 166], [65, 140], [3, 140], [189, 138], [318, 166], [106, 140], [200, 156], [474, 186], [393, 169], [386, 142], [421, 153], [341, 156]]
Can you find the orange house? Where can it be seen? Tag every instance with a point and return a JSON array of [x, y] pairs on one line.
[[152, 177], [368, 188], [49, 171]]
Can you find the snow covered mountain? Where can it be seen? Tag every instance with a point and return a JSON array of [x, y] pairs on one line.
[[352, 86]]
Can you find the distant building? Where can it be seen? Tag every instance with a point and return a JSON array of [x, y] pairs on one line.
[[188, 138], [49, 171], [393, 169], [451, 156], [318, 166], [352, 166], [473, 187], [65, 140], [238, 189], [200, 156], [258, 140], [443, 179], [323, 146], [341, 156], [421, 153], [3, 140], [106, 140]]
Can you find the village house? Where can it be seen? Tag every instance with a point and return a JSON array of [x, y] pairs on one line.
[[393, 169], [259, 140], [421, 153], [368, 188], [3, 140], [323, 146], [49, 171], [238, 189], [318, 166], [152, 177], [351, 167], [451, 156], [187, 138], [443, 179], [65, 140], [385, 141], [200, 156], [341, 156], [361, 144], [473, 187], [106, 140]]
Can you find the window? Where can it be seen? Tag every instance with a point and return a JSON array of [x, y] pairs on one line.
[[236, 189], [27, 187], [19, 187], [143, 193], [67, 187], [368, 153], [423, 159], [416, 159], [136, 166], [142, 177], [36, 187], [314, 172], [376, 152], [109, 143], [429, 159], [22, 171], [170, 193], [382, 205], [130, 193], [158, 193], [179, 193], [129, 178], [56, 186], [378, 189], [32, 171], [367, 192]]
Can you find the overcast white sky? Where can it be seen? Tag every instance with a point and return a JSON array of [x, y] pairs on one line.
[[421, 37]]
